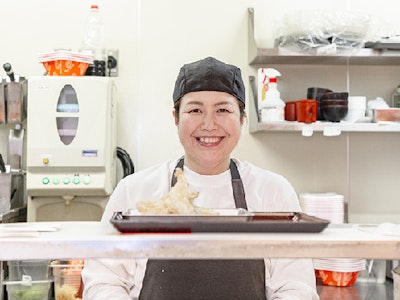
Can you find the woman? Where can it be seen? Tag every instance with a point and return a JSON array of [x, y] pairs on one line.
[[209, 103]]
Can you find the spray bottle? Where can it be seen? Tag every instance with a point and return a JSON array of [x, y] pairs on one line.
[[272, 106]]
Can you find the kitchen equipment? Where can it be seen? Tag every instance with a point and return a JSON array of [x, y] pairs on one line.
[[15, 90], [375, 272], [16, 147], [2, 103], [16, 97], [5, 193], [10, 73], [2, 165], [12, 196], [306, 110], [71, 151], [396, 282]]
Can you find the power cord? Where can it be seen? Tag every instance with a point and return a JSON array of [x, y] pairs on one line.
[[126, 161]]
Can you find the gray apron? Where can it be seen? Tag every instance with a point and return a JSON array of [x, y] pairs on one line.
[[206, 279]]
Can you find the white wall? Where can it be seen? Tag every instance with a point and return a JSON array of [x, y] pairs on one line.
[[156, 37]]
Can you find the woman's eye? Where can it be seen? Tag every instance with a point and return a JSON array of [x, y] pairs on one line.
[[195, 110], [223, 110]]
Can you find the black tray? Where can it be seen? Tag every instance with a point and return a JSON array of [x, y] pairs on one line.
[[254, 222]]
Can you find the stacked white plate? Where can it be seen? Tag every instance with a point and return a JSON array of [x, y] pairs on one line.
[[340, 264], [65, 55], [329, 206]]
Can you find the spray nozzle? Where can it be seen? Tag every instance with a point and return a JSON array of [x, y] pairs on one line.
[[270, 74]]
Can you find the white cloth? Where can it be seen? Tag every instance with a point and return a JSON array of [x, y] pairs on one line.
[[265, 191]]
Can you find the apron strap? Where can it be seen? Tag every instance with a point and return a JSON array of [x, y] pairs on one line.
[[237, 184], [180, 166]]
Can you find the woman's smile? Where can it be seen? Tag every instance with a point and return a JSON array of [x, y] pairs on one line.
[[209, 141]]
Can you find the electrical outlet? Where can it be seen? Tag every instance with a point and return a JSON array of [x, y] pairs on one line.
[[112, 62]]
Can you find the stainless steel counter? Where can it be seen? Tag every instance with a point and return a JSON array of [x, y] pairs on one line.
[[92, 239], [24, 241]]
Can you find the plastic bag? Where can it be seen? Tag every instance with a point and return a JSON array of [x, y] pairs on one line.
[[323, 32]]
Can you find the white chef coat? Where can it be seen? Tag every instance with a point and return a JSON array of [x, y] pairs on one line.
[[265, 191]]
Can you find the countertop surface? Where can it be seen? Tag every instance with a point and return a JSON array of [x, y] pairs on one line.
[[58, 240]]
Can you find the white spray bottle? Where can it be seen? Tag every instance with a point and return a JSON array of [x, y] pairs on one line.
[[272, 106]]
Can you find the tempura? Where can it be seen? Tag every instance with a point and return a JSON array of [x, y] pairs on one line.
[[178, 200]]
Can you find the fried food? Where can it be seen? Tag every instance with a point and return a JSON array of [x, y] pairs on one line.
[[178, 200]]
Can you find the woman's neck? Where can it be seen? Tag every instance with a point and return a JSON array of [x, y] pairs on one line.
[[207, 169]]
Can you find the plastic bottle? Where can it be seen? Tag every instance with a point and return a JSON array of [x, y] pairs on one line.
[[396, 97], [93, 41], [273, 108]]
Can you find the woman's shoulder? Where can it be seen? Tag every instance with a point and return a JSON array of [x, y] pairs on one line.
[[153, 174], [247, 168]]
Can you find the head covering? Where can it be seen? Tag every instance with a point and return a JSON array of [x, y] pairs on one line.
[[209, 74]]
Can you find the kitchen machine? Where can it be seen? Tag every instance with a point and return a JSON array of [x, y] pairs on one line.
[[13, 94], [71, 147]]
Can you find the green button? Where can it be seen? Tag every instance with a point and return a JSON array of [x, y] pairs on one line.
[[66, 180], [56, 180], [45, 180], [86, 180], [76, 180]]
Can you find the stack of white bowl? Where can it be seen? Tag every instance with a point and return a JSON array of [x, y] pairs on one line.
[[357, 106], [329, 206]]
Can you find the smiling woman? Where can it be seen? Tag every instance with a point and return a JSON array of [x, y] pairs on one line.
[[209, 102], [209, 128]]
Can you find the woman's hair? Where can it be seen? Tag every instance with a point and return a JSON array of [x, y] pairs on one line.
[[177, 106]]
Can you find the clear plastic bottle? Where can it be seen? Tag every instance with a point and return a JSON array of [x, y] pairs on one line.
[[93, 41], [396, 97]]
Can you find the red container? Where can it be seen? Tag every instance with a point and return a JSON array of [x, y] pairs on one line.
[[338, 278], [290, 111], [307, 110]]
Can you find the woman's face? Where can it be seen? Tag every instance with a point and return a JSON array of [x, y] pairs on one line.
[[209, 127]]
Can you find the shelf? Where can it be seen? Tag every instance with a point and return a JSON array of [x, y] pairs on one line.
[[328, 128], [363, 56]]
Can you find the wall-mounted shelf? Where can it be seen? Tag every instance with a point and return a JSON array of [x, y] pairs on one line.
[[261, 56], [320, 126], [362, 56]]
